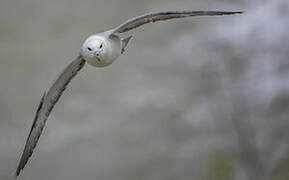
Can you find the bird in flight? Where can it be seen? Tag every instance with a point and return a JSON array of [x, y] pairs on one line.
[[98, 50]]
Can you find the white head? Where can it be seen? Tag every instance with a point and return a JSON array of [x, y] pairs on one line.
[[99, 51]]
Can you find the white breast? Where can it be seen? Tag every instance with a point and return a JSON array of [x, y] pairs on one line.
[[111, 50], [114, 43]]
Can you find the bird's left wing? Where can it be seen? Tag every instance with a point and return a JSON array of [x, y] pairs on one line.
[[165, 15], [46, 105]]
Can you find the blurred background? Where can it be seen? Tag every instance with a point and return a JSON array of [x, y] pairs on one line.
[[199, 98]]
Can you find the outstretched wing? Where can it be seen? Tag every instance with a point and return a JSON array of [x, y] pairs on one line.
[[161, 16], [46, 105]]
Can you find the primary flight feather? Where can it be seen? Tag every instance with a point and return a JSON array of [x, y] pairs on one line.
[[98, 50]]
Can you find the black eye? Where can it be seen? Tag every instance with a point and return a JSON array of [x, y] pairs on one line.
[[89, 49], [100, 46]]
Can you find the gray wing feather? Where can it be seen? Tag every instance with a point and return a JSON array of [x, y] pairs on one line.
[[161, 16], [46, 105]]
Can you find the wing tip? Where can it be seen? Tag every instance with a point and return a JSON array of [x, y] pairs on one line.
[[16, 174], [225, 12], [236, 12], [20, 167]]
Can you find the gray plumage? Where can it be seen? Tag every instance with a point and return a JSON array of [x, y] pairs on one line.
[[99, 50], [161, 16], [46, 105]]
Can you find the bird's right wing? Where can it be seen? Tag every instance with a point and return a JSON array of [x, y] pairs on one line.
[[165, 15], [46, 105]]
